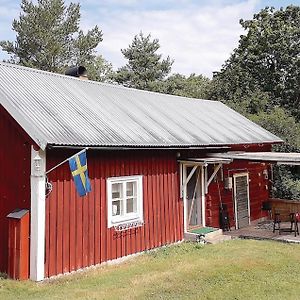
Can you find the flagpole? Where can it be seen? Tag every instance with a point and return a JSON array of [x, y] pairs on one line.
[[86, 148]]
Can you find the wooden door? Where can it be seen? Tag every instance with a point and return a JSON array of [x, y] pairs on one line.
[[241, 197]]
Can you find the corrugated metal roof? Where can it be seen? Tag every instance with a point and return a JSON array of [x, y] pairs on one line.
[[276, 157], [61, 110]]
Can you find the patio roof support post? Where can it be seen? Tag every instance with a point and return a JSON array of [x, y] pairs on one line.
[[205, 179], [184, 191], [181, 179], [272, 179], [203, 195], [186, 180], [208, 182]]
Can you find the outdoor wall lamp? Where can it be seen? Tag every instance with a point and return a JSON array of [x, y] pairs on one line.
[[37, 162]]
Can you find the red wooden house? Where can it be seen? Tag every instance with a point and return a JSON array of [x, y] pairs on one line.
[[155, 164]]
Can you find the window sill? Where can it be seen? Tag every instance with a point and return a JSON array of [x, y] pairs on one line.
[[126, 221]]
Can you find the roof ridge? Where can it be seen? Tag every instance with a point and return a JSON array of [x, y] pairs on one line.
[[39, 71]]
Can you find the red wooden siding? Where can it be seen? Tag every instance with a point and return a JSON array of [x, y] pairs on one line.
[[76, 228], [14, 176], [258, 192]]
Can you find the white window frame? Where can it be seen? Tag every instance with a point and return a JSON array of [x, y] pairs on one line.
[[128, 218]]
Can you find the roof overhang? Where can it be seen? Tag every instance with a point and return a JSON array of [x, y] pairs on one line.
[[141, 147], [205, 161], [280, 158]]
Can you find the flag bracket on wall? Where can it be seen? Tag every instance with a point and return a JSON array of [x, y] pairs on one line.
[[79, 171]]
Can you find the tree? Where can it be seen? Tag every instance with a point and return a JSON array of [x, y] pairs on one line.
[[145, 67], [194, 86], [266, 59], [99, 69], [49, 38], [262, 75], [281, 123]]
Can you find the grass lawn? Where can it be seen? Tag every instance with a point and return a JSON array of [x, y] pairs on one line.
[[238, 269]]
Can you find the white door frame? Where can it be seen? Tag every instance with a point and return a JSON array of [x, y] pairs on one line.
[[183, 184], [234, 195]]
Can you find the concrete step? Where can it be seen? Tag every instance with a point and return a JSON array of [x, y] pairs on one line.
[[217, 239], [193, 237], [214, 233]]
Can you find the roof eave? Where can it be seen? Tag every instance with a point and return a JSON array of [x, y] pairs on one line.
[[33, 132]]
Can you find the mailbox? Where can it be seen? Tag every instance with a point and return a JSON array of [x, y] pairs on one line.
[[18, 244]]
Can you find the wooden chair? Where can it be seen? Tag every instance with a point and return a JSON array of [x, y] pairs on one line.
[[276, 222], [293, 218]]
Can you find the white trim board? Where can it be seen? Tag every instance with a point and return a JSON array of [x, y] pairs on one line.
[[38, 216]]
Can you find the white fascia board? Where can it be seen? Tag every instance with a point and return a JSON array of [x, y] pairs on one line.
[[33, 132]]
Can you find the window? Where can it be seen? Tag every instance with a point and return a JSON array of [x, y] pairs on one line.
[[125, 200]]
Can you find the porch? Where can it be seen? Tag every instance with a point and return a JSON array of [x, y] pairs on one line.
[[263, 230], [258, 232]]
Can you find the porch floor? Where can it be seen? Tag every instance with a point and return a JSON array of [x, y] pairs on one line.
[[264, 231]]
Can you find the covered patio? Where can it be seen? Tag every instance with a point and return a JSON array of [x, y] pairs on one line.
[[263, 230], [259, 233]]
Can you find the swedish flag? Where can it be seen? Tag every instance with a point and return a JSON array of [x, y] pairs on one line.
[[78, 166]]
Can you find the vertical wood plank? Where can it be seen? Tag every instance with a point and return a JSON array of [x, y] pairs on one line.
[[66, 221], [79, 230], [59, 221], [97, 216], [161, 203], [52, 227], [103, 212], [72, 242], [166, 192], [151, 220]]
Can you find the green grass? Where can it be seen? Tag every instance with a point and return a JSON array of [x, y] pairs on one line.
[[238, 269]]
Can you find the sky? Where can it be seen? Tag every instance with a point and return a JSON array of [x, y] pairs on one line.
[[198, 35]]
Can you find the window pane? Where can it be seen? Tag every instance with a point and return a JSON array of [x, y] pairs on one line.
[[117, 208], [131, 188], [131, 205], [116, 190]]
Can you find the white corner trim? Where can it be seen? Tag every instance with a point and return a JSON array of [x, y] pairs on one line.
[[37, 224]]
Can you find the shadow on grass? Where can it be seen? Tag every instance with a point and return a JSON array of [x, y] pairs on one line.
[[3, 276]]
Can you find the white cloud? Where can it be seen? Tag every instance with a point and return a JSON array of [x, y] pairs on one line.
[[8, 11], [198, 37]]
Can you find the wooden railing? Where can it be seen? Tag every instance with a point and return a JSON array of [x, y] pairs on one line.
[[284, 207]]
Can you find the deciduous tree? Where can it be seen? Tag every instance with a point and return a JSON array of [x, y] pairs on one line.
[[194, 86], [267, 59]]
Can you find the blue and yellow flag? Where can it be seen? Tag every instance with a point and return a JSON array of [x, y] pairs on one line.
[[78, 166]]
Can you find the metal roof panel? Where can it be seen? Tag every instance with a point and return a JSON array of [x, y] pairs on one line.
[[61, 110], [276, 157]]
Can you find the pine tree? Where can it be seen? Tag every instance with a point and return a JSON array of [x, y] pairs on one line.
[[48, 36], [145, 67]]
